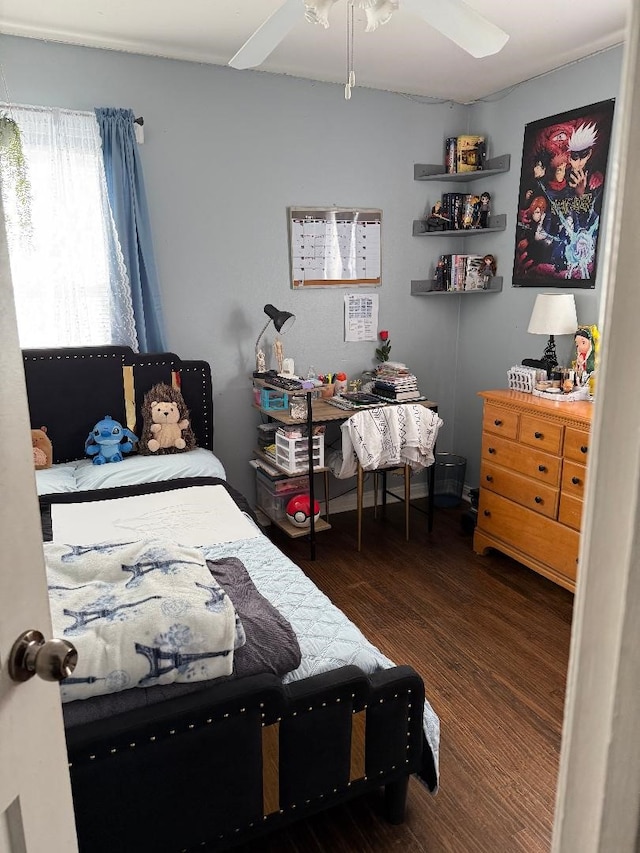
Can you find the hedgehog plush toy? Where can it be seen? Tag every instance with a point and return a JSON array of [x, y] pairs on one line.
[[165, 422]]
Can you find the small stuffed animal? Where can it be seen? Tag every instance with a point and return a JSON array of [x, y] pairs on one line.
[[108, 440], [166, 427], [42, 449]]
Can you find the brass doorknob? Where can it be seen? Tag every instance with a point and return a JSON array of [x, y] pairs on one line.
[[52, 660]]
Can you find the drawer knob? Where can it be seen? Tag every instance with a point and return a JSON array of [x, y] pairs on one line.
[[492, 450], [575, 480], [487, 513], [498, 422], [538, 499], [489, 478], [584, 448], [542, 468], [538, 435]]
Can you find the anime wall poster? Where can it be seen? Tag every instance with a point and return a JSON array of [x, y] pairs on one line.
[[562, 184]]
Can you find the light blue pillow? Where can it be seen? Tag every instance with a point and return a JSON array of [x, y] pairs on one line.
[[56, 480], [135, 470]]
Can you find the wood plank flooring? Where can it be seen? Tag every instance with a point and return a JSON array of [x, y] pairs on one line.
[[491, 640]]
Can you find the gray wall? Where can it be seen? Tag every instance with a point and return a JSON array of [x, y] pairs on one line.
[[226, 153], [493, 330]]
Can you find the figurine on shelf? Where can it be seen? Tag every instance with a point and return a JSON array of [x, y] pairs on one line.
[[481, 217], [488, 270], [437, 221]]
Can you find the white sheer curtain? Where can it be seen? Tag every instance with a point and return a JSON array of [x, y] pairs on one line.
[[71, 285]]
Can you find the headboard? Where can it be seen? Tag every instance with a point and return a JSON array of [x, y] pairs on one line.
[[72, 388]]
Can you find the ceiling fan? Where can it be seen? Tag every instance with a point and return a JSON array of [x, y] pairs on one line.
[[453, 18]]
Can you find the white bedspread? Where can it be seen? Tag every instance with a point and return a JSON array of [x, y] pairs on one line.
[[192, 516]]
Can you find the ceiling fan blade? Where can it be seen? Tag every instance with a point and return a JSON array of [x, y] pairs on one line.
[[269, 35], [460, 23]]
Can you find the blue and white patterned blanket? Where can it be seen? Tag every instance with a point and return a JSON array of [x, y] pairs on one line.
[[139, 613]]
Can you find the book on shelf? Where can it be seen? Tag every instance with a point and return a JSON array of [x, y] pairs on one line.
[[460, 272], [450, 154], [470, 153]]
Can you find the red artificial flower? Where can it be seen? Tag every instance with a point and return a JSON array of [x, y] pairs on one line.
[[382, 353]]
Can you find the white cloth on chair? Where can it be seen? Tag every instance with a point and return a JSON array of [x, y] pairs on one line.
[[388, 436]]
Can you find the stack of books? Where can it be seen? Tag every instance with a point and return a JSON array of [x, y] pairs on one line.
[[394, 381]]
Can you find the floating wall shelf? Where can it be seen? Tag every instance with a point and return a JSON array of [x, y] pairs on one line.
[[432, 172], [427, 288], [496, 223]]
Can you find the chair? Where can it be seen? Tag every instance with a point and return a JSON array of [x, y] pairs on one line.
[[385, 438]]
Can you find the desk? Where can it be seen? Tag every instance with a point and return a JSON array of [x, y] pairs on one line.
[[318, 412]]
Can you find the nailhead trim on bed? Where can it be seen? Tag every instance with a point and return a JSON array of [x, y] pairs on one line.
[[293, 806]]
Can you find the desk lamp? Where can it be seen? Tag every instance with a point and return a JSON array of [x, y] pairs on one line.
[[553, 314], [282, 320]]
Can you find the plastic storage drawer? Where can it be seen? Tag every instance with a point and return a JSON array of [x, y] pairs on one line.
[[292, 454]]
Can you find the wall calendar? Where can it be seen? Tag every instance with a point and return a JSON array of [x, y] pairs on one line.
[[335, 247]]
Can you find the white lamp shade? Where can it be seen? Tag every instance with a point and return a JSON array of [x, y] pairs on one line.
[[554, 314]]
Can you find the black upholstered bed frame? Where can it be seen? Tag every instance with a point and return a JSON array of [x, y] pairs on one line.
[[214, 768], [70, 390]]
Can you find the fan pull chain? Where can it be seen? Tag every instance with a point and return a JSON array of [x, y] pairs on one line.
[[351, 74]]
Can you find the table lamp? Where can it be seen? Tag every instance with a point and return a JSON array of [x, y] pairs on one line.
[[282, 320], [553, 314]]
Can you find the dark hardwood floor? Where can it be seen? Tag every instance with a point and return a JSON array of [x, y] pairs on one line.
[[491, 641]]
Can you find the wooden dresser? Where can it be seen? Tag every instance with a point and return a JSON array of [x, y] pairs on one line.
[[532, 478]]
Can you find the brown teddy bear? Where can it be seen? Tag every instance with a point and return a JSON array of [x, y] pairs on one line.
[[42, 449], [165, 422]]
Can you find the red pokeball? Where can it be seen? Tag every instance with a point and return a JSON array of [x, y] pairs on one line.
[[299, 510]]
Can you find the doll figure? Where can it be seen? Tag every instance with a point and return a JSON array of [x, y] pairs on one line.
[[481, 217], [488, 270], [585, 354], [437, 221]]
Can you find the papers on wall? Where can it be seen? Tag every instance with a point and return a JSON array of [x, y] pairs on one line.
[[361, 317]]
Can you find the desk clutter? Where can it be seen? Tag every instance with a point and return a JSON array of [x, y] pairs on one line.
[[561, 385]]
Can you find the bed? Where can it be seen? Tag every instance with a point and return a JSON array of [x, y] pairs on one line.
[[217, 762]]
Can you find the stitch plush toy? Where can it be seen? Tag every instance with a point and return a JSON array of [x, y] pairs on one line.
[[166, 427], [108, 440], [42, 449]]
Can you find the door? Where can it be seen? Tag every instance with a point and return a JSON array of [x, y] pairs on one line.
[[36, 813]]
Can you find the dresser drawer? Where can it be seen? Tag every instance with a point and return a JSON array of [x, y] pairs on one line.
[[500, 421], [539, 497], [576, 444], [540, 434], [570, 512], [573, 479], [509, 454], [530, 533]]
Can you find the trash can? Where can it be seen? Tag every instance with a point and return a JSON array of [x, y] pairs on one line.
[[449, 479]]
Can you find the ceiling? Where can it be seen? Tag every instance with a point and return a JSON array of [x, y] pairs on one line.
[[405, 55]]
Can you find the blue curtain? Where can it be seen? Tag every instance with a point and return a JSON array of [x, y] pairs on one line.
[[125, 185]]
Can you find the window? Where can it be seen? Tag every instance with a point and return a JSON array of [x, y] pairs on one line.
[[70, 283]]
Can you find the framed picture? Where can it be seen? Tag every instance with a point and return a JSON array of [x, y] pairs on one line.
[[562, 184]]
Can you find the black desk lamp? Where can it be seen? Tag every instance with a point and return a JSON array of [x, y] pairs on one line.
[[282, 320], [553, 314]]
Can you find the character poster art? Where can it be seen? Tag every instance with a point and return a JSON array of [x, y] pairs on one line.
[[562, 184]]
